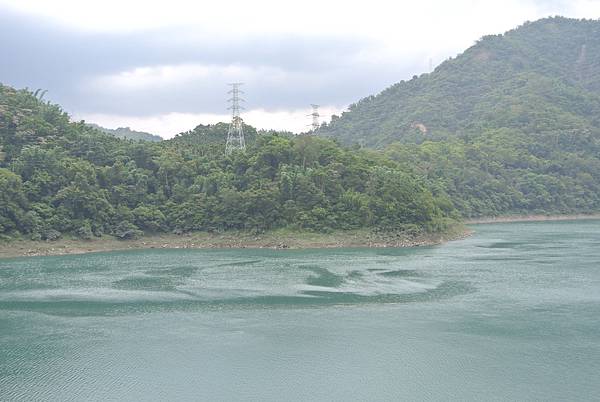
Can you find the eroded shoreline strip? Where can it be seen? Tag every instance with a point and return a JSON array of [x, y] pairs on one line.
[[235, 240]]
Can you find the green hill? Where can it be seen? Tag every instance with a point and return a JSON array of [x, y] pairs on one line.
[[510, 126], [543, 76], [59, 177]]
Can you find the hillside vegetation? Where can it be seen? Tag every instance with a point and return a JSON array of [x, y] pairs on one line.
[[212, 134], [512, 125], [60, 177]]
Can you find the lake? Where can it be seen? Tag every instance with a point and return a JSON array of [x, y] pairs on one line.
[[511, 313]]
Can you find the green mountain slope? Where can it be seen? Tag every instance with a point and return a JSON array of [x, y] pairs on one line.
[[59, 177], [543, 76], [127, 133], [511, 126]]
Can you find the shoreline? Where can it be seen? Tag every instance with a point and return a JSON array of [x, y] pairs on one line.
[[277, 240], [531, 218]]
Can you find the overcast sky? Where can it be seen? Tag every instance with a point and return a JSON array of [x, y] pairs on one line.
[[163, 66]]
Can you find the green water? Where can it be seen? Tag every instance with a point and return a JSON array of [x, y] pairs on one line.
[[512, 313]]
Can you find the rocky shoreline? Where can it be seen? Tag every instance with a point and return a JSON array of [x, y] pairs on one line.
[[269, 240], [279, 239]]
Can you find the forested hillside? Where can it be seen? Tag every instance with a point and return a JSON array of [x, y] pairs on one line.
[[510, 126], [543, 77], [59, 177]]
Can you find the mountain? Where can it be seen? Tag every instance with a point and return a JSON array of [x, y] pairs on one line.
[[511, 126], [127, 133], [62, 177], [543, 76]]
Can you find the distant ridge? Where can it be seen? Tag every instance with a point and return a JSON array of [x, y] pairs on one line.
[[127, 133]]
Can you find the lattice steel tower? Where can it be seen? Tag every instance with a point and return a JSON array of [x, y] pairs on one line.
[[235, 134], [315, 118]]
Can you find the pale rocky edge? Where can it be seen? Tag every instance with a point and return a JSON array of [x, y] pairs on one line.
[[280, 239]]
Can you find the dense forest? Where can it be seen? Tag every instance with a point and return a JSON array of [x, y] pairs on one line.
[[510, 126], [59, 177]]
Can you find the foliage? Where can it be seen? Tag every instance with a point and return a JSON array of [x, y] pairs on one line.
[[505, 172], [62, 177], [543, 76], [512, 125]]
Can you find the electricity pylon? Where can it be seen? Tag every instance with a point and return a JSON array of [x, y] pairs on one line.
[[315, 119], [235, 134]]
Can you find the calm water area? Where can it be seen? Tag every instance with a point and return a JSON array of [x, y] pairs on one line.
[[509, 314]]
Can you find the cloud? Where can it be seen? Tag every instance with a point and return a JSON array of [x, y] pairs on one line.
[[192, 87], [143, 74], [169, 124]]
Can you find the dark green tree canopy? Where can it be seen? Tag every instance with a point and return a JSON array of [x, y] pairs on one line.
[[511, 126], [62, 177]]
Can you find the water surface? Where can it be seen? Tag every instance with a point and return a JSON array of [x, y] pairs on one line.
[[511, 313]]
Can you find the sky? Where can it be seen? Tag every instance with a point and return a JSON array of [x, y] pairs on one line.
[[163, 66]]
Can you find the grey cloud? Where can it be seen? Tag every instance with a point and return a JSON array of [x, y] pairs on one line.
[[39, 54]]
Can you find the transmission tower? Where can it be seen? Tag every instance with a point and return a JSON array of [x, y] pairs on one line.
[[315, 118], [235, 134]]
